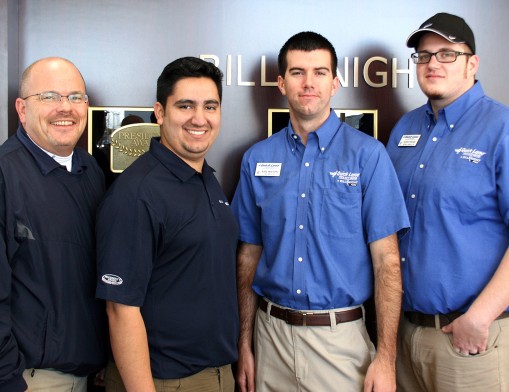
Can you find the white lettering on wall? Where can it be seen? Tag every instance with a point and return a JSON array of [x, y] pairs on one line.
[[349, 75]]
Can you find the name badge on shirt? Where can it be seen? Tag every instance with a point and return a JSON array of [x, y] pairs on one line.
[[267, 169], [409, 140]]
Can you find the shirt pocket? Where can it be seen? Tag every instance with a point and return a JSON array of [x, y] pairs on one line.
[[458, 185], [340, 215]]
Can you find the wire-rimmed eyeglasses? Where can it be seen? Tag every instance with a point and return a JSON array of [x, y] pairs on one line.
[[52, 97]]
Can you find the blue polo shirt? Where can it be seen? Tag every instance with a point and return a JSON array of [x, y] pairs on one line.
[[315, 209], [455, 178], [166, 242]]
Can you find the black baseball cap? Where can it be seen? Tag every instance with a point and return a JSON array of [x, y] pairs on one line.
[[453, 28]]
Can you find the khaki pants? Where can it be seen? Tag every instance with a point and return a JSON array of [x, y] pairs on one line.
[[303, 358], [44, 380], [427, 361], [208, 380]]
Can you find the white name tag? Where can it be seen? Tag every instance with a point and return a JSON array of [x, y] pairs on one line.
[[267, 169], [409, 140]]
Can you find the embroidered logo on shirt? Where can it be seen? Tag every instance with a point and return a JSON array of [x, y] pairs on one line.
[[470, 154], [112, 279], [345, 177]]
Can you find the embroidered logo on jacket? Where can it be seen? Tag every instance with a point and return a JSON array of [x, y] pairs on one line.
[[345, 177], [112, 279], [470, 154]]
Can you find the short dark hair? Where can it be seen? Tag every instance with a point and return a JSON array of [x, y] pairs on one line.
[[306, 41], [186, 67]]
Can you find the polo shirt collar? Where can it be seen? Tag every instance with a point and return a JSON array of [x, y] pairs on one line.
[[45, 163], [174, 163], [454, 111]]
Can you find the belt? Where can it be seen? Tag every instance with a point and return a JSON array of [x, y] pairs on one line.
[[428, 320], [295, 317]]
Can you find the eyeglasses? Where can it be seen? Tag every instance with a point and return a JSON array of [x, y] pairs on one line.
[[445, 56], [52, 97]]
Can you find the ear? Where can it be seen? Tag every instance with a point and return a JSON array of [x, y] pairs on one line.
[[473, 65], [21, 109], [281, 84], [335, 86], [159, 112]]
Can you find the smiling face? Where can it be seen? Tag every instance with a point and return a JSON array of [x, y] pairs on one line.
[[54, 127], [443, 83], [191, 120], [309, 84]]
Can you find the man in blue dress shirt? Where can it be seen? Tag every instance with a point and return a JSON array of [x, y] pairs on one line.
[[452, 156], [319, 206]]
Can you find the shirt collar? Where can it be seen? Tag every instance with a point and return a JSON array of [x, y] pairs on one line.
[[44, 161], [455, 110], [324, 133], [174, 163]]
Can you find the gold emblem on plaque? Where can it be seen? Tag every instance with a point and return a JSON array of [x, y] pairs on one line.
[[130, 142]]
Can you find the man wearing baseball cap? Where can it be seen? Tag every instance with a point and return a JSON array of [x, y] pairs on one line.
[[452, 160]]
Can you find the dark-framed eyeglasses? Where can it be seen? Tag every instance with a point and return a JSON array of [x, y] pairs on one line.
[[52, 97], [444, 56]]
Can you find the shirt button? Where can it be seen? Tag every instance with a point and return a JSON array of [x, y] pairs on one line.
[[299, 259], [403, 259], [323, 149], [434, 139], [303, 195], [451, 126], [306, 164], [295, 137], [421, 166], [298, 291], [412, 196], [301, 227]]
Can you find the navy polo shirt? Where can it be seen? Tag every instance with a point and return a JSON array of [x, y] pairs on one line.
[[166, 242]]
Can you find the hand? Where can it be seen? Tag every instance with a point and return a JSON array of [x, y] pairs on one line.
[[246, 371], [99, 378], [381, 377], [468, 336]]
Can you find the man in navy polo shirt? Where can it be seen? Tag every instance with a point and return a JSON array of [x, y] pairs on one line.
[[166, 243], [319, 206], [452, 160]]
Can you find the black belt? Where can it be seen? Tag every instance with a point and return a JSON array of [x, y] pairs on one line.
[[428, 320], [295, 317]]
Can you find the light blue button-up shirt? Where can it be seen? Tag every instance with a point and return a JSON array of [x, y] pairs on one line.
[[456, 184], [314, 211]]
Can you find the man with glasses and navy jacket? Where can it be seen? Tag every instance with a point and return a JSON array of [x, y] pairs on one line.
[[52, 329], [452, 156]]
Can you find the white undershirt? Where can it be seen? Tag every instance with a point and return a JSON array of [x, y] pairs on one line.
[[63, 161]]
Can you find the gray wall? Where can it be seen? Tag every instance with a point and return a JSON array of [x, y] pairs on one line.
[[121, 46]]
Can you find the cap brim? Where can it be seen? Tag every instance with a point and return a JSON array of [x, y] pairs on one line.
[[413, 39]]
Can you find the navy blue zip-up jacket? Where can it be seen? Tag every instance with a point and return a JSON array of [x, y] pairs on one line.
[[49, 317]]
